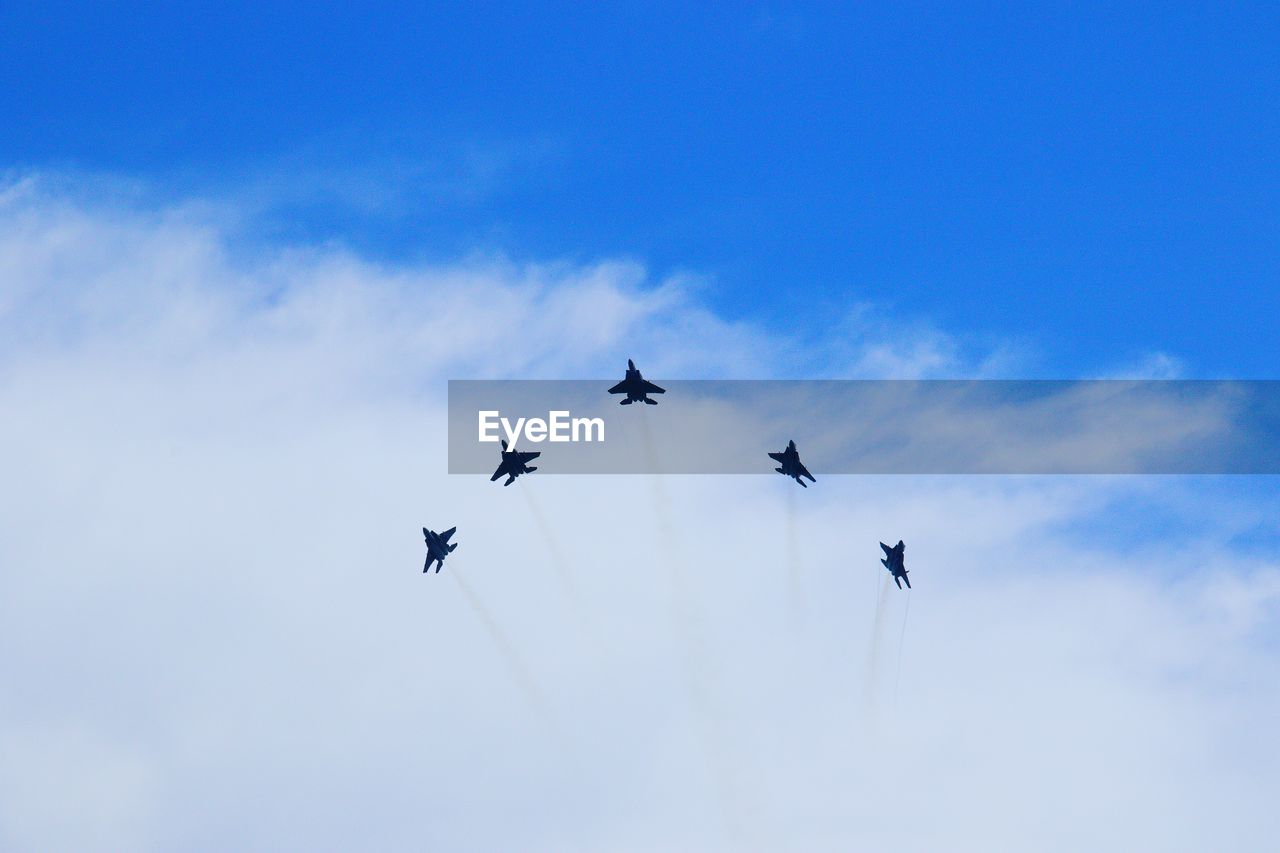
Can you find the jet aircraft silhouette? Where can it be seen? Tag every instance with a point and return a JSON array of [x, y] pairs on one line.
[[438, 547], [636, 387], [514, 463], [893, 561], [791, 464]]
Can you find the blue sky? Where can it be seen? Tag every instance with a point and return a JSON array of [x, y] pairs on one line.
[[1096, 179]]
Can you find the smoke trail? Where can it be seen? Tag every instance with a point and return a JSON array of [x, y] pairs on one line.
[[646, 437], [558, 559], [795, 589], [523, 678], [902, 639], [709, 721], [873, 657]]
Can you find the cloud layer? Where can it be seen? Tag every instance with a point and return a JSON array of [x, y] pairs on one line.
[[216, 460]]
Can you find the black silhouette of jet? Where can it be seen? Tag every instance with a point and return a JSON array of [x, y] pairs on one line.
[[514, 463], [791, 464], [636, 387], [893, 561], [438, 547]]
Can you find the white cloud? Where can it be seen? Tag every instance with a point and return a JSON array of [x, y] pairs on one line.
[[216, 463], [1152, 365]]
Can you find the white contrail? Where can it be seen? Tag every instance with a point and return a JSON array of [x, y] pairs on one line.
[[873, 656], [795, 588], [559, 560], [902, 639], [520, 673], [709, 722]]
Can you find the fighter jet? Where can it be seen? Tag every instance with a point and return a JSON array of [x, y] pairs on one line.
[[791, 464], [636, 387], [438, 548], [893, 562], [514, 463]]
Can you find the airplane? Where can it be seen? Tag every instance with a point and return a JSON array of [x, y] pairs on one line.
[[438, 547], [894, 563], [514, 463], [636, 387], [791, 464]]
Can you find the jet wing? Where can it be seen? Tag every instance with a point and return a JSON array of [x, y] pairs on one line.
[[776, 457], [502, 469], [444, 537], [529, 456], [804, 472], [620, 388], [649, 388], [887, 549]]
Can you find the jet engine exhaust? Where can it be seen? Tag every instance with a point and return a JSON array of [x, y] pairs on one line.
[[521, 675]]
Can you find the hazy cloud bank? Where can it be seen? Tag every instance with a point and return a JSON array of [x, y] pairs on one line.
[[216, 634]]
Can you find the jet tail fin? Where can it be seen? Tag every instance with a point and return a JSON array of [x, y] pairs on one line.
[[898, 581], [451, 549], [626, 402], [651, 402]]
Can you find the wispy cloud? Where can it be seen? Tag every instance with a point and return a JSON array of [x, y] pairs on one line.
[[1153, 365], [216, 462]]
